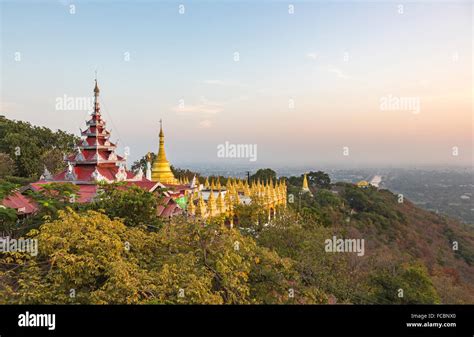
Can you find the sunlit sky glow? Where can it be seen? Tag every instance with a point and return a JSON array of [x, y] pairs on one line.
[[336, 61]]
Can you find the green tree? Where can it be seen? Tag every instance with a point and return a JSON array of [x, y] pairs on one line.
[[406, 283], [263, 175], [141, 163], [8, 216], [134, 205], [89, 258], [7, 165], [6, 188], [8, 220], [53, 159], [89, 255], [319, 179], [53, 197], [252, 216], [27, 144], [357, 199], [304, 244], [242, 272]]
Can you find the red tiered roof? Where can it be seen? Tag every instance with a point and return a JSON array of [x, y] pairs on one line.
[[20, 203]]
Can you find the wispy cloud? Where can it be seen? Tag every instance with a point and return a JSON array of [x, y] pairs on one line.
[[224, 83], [215, 82], [337, 71], [312, 56], [204, 107], [205, 124], [7, 107]]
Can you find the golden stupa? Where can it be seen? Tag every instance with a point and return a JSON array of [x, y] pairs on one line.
[[305, 184], [161, 170]]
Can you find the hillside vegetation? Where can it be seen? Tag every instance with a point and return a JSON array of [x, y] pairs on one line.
[[110, 252]]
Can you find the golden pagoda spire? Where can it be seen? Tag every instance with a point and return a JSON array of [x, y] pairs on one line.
[[211, 204], [274, 196], [191, 207], [268, 197], [241, 186], [206, 183], [236, 197], [247, 190], [228, 201], [305, 184], [229, 208], [220, 203], [161, 170], [201, 210]]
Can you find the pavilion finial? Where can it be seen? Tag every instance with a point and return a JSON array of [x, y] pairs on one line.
[[96, 97], [96, 88]]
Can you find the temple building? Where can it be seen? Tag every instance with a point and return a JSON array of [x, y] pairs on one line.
[[95, 161], [95, 158]]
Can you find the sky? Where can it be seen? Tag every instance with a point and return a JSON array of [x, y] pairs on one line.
[[348, 83]]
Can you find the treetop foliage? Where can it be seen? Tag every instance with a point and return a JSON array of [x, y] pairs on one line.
[[32, 147]]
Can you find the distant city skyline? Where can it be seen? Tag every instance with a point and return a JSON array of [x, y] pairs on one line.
[[346, 84]]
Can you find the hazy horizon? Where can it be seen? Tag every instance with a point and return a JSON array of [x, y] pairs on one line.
[[389, 86]]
